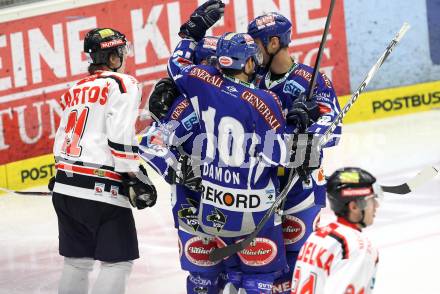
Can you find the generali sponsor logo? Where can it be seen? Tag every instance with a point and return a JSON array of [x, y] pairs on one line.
[[263, 109], [206, 77], [197, 251], [179, 109], [262, 251], [293, 229]]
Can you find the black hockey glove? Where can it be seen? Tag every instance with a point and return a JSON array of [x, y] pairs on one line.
[[162, 98], [51, 184], [186, 174], [202, 19], [140, 191], [303, 113], [307, 144]]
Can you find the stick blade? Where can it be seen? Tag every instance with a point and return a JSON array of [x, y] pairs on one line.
[[421, 178]]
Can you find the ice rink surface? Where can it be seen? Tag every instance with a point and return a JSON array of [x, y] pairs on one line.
[[406, 231]]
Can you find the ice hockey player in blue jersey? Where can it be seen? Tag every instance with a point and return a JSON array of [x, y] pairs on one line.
[[238, 173], [180, 119], [290, 81], [239, 179]]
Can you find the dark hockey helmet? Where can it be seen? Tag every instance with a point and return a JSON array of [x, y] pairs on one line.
[[99, 43], [271, 25], [351, 184]]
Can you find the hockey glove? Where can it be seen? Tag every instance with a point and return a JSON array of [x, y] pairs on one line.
[[303, 113], [186, 174], [162, 98], [202, 19], [307, 144], [51, 184], [140, 191]]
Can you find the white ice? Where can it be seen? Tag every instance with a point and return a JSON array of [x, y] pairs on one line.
[[406, 231]]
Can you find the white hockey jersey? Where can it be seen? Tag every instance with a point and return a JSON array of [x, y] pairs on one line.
[[336, 259], [96, 138]]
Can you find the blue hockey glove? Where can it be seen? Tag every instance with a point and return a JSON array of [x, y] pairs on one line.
[[140, 191], [162, 98], [202, 19], [303, 113]]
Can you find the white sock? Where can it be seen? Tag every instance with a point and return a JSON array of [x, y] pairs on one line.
[[112, 278], [75, 276]]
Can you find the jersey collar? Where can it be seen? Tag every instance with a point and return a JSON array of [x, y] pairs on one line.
[[237, 81], [345, 222], [270, 84]]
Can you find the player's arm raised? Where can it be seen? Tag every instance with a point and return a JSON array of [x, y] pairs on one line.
[[192, 31]]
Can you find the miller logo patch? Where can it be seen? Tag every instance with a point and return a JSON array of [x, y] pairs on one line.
[[197, 250], [293, 229], [261, 251]]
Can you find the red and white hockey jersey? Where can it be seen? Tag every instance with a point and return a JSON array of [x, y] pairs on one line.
[[336, 259], [96, 138]]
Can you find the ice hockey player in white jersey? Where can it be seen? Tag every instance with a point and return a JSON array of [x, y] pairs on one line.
[[339, 258], [98, 170]]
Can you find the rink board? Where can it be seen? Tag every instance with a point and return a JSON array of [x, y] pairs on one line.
[[27, 173], [393, 102], [372, 105]]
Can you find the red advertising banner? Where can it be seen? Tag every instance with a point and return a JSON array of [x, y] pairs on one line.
[[41, 56]]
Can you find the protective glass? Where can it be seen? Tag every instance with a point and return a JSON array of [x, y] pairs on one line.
[[128, 49]]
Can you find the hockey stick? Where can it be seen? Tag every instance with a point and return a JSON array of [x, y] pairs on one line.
[[220, 253], [421, 178], [321, 50], [27, 193]]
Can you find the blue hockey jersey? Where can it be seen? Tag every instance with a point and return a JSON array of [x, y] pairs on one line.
[[158, 148], [239, 141], [288, 88]]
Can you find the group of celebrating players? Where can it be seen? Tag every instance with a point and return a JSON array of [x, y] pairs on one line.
[[232, 120]]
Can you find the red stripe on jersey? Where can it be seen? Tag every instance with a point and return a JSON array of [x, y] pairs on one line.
[[125, 155], [96, 172]]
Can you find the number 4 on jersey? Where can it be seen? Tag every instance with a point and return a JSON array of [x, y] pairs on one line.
[[308, 287], [74, 130]]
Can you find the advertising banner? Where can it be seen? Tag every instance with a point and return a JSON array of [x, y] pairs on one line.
[[41, 56], [393, 102]]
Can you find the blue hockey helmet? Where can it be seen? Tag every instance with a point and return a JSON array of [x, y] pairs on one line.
[[205, 50], [271, 25], [234, 49]]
